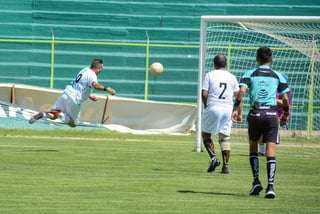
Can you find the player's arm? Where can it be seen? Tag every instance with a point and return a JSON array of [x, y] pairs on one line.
[[100, 87], [93, 97], [204, 97], [237, 106], [286, 113], [279, 102], [240, 105]]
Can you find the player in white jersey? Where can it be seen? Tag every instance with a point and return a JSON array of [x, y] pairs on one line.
[[218, 89], [68, 105]]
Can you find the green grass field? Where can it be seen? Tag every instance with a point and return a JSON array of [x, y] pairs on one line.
[[79, 171]]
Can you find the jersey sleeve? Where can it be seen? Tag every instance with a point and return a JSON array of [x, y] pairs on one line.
[[245, 80], [205, 82], [283, 85], [92, 78], [236, 84]]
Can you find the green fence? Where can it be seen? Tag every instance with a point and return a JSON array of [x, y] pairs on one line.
[[128, 35], [54, 63]]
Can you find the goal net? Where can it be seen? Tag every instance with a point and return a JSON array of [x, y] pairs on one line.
[[295, 44]]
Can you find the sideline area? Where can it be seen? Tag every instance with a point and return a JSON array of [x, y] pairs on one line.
[[13, 116]]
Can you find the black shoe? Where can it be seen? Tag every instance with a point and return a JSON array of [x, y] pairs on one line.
[[225, 169], [214, 163], [256, 188], [270, 193], [36, 117], [261, 154]]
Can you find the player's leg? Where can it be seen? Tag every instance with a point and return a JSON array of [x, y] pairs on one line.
[[47, 114], [254, 164], [262, 148], [225, 146], [271, 169], [209, 145], [209, 126], [58, 108], [65, 109], [53, 114], [271, 136], [72, 113], [254, 131], [71, 123], [36, 117]]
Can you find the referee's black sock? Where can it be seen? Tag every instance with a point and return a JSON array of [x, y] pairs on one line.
[[271, 169], [254, 163]]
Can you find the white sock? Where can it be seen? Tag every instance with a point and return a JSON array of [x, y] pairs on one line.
[[46, 115], [62, 117], [262, 148]]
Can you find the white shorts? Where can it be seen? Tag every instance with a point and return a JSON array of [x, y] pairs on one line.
[[68, 107], [217, 119]]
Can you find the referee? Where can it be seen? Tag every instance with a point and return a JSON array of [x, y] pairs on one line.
[[263, 83]]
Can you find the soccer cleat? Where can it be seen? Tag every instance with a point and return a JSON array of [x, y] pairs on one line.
[[225, 169], [36, 117], [256, 188], [270, 193], [214, 163], [261, 154]]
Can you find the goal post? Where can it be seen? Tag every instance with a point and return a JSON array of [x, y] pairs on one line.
[[295, 44]]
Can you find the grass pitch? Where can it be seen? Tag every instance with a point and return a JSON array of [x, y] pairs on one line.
[[79, 171]]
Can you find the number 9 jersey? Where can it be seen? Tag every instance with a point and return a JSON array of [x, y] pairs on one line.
[[80, 89]]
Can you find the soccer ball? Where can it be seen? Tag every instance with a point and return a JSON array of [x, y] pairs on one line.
[[156, 68]]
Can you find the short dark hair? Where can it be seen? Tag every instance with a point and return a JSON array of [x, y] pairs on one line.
[[220, 61], [264, 53], [96, 63]]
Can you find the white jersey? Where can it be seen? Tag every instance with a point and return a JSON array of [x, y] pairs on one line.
[[221, 86], [80, 89]]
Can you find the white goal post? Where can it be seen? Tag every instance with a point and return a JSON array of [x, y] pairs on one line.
[[295, 44]]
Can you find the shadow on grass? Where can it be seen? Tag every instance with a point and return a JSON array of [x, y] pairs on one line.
[[40, 150], [211, 193]]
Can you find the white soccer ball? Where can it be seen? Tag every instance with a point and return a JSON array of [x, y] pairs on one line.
[[156, 68]]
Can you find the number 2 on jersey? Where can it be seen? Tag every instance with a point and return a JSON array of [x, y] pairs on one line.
[[223, 85]]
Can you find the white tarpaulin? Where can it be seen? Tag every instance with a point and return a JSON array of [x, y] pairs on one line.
[[115, 113]]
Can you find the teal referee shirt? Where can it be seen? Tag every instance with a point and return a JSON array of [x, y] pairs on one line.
[[263, 83]]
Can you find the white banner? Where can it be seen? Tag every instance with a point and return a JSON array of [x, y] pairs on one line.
[[115, 113]]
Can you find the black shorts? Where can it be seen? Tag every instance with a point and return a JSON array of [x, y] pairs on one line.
[[263, 123]]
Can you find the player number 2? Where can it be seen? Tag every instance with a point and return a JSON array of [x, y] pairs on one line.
[[223, 85]]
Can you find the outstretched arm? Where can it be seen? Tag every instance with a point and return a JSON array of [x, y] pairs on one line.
[[103, 88]]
